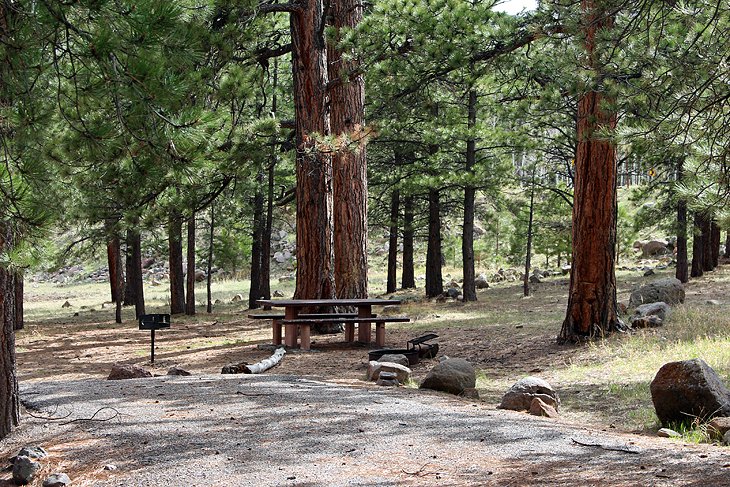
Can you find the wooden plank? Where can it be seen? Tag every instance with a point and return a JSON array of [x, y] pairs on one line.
[[301, 303]]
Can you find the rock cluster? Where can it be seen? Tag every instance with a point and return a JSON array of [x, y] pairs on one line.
[[522, 395], [26, 465], [121, 371]]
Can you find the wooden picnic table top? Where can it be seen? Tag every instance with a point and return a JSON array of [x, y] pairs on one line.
[[301, 303]]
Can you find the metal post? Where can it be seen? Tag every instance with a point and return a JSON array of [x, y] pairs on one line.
[[152, 350]]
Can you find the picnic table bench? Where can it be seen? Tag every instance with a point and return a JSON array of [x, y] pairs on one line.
[[296, 323]]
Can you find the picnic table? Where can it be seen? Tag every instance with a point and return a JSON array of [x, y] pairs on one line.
[[295, 322]]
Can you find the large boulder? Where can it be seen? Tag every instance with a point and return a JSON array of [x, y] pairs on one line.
[[659, 309], [453, 375], [668, 290], [683, 391], [402, 373], [120, 371], [24, 469], [520, 396]]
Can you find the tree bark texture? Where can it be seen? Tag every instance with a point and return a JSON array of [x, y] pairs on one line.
[[265, 279], [408, 275], [698, 266], [134, 270], [254, 292], [190, 276], [177, 282], [434, 280], [120, 289], [113, 249], [715, 243], [469, 290], [349, 162], [682, 271], [392, 285], [528, 252], [313, 163], [592, 309], [129, 289], [9, 398], [19, 310]]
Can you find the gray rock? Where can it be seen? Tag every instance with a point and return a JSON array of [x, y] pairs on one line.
[[481, 282], [718, 427], [668, 433], [660, 309], [726, 439], [654, 247], [534, 279], [395, 358], [391, 309], [278, 294], [175, 370], [538, 407], [34, 452], [713, 302], [66, 305], [668, 290], [519, 397], [24, 469], [649, 272], [388, 379], [237, 298], [451, 375], [565, 270], [110, 467], [650, 321], [403, 374], [199, 276], [453, 293], [120, 371], [57, 480], [683, 391]]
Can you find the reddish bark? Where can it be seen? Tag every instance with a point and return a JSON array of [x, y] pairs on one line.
[[592, 309], [113, 249], [313, 165], [349, 166]]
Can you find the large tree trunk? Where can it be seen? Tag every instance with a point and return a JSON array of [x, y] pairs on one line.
[[434, 280], [118, 301], [313, 165], [349, 166], [129, 289], [698, 265], [408, 276], [254, 292], [9, 398], [592, 308], [190, 276], [19, 313], [715, 243], [392, 285], [469, 290], [113, 249], [707, 244], [177, 282], [134, 270], [682, 272], [209, 277]]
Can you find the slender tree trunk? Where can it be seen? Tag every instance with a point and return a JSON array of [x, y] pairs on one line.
[[19, 323], [349, 166], [727, 244], [190, 277], [119, 299], [682, 259], [408, 275], [698, 266], [254, 292], [707, 244], [592, 308], [313, 165], [177, 282], [134, 270], [129, 288], [434, 258], [113, 249], [682, 272], [469, 290], [265, 286], [209, 277], [9, 398], [528, 253], [392, 285], [715, 243]]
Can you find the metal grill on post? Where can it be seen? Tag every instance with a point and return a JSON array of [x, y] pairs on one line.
[[153, 322]]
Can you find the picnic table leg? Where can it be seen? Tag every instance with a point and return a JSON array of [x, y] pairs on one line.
[[363, 327], [276, 324], [349, 332], [290, 337], [305, 336], [380, 334]]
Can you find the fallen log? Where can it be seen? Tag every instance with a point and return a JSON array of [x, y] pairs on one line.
[[257, 368]]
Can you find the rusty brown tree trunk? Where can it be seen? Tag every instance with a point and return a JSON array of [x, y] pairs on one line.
[[408, 275], [698, 265], [190, 271], [313, 163], [392, 285], [715, 243], [592, 309], [134, 270], [434, 257], [349, 163], [113, 249]]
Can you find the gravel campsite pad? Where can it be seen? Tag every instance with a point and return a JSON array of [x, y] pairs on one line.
[[283, 430]]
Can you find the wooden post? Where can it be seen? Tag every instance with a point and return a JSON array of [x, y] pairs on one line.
[[363, 327], [380, 334], [290, 335], [276, 324]]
